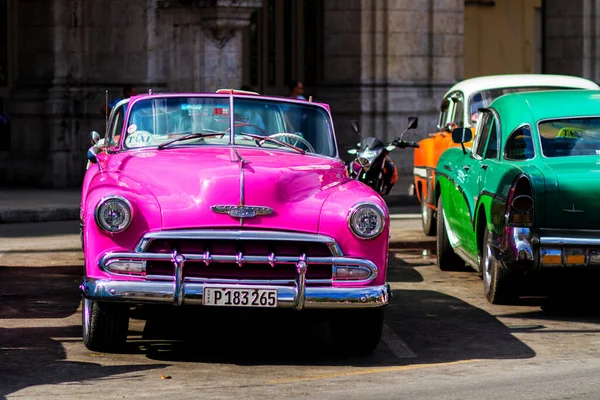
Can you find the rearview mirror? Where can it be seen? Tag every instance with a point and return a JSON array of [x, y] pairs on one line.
[[461, 135], [413, 122], [95, 137], [93, 153]]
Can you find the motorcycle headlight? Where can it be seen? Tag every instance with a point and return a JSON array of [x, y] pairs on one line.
[[366, 158], [366, 220], [113, 214], [365, 163]]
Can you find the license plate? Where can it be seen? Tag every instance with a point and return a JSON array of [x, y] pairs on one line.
[[239, 297]]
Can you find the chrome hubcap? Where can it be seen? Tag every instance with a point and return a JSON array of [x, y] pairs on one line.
[[424, 212], [487, 265]]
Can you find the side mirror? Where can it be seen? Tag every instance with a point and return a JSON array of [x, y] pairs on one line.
[[95, 137], [413, 122], [355, 125], [462, 135], [92, 154], [352, 151]]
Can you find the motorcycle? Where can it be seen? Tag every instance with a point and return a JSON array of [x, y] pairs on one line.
[[372, 166]]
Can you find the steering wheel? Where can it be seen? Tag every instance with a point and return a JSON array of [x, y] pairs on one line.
[[296, 139], [264, 133]]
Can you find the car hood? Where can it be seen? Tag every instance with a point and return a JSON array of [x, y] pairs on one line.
[[573, 195], [188, 182]]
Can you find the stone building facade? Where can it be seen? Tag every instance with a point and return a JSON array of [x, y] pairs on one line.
[[378, 61]]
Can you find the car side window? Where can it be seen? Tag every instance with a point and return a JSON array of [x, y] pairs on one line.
[[492, 147], [519, 145], [458, 110], [482, 134], [444, 109]]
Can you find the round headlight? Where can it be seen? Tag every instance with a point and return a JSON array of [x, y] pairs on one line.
[[365, 163], [366, 220], [113, 214]]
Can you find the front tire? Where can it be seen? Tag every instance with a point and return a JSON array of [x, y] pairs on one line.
[[427, 218], [356, 332], [498, 285], [447, 259], [105, 325]]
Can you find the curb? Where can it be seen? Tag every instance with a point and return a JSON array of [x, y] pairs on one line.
[[39, 215]]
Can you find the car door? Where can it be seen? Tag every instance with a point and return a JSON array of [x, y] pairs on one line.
[[470, 178]]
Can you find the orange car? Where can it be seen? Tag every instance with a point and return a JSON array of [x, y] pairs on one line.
[[460, 109]]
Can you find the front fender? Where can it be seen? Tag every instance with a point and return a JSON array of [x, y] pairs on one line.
[[333, 222], [146, 217]]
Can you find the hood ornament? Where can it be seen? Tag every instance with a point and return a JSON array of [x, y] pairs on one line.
[[242, 211], [572, 210]]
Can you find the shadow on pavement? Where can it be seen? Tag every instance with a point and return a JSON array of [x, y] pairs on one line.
[[39, 229], [39, 292], [436, 327], [32, 357]]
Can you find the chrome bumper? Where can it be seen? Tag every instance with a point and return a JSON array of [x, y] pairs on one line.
[[191, 293], [548, 248]]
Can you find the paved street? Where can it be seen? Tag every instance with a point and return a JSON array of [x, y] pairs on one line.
[[442, 340]]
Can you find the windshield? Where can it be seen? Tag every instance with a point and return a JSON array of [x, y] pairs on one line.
[[484, 98], [570, 137], [260, 123]]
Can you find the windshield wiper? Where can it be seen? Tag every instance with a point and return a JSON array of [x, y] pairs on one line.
[[190, 136], [270, 139]]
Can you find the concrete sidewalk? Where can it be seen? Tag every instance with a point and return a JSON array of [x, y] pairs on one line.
[[38, 205]]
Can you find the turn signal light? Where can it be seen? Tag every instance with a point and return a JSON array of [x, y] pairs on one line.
[[520, 202], [127, 267], [351, 273]]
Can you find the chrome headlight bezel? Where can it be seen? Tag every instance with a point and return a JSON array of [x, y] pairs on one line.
[[354, 212], [120, 201]]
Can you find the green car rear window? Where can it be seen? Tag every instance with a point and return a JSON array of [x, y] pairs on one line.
[[570, 137]]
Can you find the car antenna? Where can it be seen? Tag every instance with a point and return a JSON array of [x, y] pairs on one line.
[[106, 110]]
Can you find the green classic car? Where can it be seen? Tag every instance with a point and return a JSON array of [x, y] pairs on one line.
[[526, 198]]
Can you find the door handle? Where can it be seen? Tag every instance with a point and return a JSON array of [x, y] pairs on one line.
[[466, 167], [484, 166]]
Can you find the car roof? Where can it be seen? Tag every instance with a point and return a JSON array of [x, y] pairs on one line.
[[472, 85], [517, 108]]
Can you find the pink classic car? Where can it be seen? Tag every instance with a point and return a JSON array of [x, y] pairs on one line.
[[229, 200]]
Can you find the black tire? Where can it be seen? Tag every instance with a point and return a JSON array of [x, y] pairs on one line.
[[498, 283], [356, 332], [105, 325], [447, 259], [427, 218]]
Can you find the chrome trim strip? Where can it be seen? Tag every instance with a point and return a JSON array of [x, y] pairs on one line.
[[178, 261], [231, 118], [192, 293], [301, 267], [198, 234], [568, 241]]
